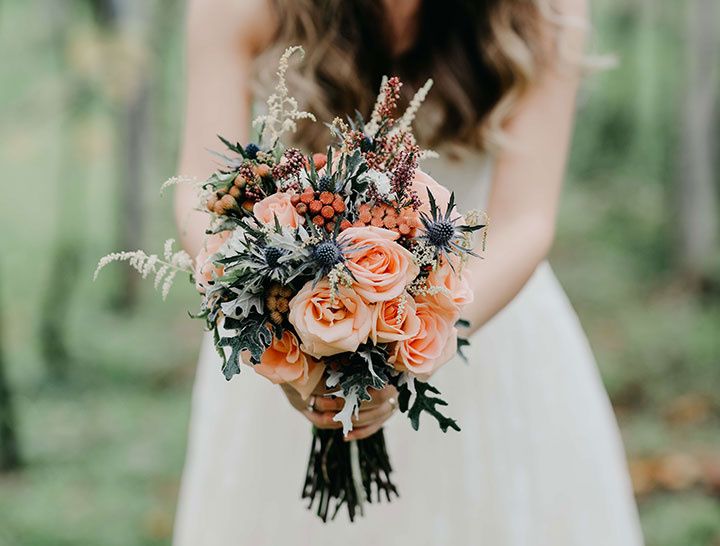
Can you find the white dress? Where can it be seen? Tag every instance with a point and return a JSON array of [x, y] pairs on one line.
[[539, 461]]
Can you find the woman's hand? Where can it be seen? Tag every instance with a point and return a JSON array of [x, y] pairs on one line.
[[321, 407]]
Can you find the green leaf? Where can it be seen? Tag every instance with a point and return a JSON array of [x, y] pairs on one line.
[[253, 336], [424, 403]]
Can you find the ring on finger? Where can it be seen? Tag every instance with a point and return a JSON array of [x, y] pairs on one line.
[[311, 404]]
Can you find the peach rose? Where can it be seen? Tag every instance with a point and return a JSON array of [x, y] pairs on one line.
[[328, 326], [454, 290], [381, 267], [205, 270], [394, 320], [421, 183], [284, 362], [433, 346], [277, 204]]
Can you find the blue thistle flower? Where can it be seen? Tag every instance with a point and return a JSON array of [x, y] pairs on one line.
[[272, 255], [328, 254], [251, 150], [441, 231]]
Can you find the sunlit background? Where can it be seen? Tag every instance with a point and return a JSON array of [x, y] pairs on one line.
[[95, 378]]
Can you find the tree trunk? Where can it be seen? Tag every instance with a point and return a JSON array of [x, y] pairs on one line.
[[696, 193], [64, 271], [9, 446], [133, 122]]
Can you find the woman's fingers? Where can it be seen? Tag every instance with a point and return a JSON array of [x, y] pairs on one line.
[[327, 403], [364, 432], [379, 397], [323, 420], [378, 413]]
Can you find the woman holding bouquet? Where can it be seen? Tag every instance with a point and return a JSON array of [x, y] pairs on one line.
[[539, 461]]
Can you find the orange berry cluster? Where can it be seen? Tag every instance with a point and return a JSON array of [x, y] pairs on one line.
[[244, 191], [323, 207], [404, 221], [277, 301]]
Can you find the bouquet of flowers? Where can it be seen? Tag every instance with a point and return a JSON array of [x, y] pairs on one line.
[[344, 267]]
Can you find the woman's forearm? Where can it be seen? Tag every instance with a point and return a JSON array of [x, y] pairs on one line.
[[513, 253]]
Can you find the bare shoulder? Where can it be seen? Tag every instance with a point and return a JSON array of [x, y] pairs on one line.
[[571, 8], [245, 24]]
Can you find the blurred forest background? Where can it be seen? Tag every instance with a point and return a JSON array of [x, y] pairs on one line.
[[95, 378]]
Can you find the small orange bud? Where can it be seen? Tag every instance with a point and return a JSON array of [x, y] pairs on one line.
[[248, 205], [328, 212], [212, 200], [377, 222], [330, 227], [219, 208], [282, 305], [262, 170], [319, 160], [228, 202], [315, 207], [301, 209], [338, 205], [345, 224], [327, 197], [390, 222], [307, 197], [404, 229], [235, 192], [365, 217], [318, 220], [240, 181], [294, 199]]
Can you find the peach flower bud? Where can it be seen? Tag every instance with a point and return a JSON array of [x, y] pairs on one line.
[[284, 362], [421, 183], [452, 290], [277, 204], [433, 346], [381, 267], [205, 270], [394, 320], [329, 325]]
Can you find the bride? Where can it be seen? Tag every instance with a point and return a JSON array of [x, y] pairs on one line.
[[539, 461]]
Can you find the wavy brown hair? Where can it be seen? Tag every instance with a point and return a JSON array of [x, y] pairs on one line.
[[482, 55]]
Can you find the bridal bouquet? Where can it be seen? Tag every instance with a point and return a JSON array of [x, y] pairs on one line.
[[344, 267]]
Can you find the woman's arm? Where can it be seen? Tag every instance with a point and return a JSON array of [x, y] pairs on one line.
[[223, 38], [526, 186]]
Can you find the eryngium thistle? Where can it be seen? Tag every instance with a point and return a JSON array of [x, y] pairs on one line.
[[327, 254]]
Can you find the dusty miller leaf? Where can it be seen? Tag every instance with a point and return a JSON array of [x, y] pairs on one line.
[[424, 403]]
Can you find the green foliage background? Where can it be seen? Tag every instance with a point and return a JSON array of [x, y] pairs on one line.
[[104, 448]]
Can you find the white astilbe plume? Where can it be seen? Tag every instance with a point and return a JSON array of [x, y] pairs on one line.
[[409, 116], [177, 180], [372, 126], [283, 112], [163, 269]]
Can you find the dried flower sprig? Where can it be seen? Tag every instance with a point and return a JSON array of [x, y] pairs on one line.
[[164, 270], [283, 110], [405, 122]]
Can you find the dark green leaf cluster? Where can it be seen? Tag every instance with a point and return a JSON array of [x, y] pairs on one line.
[[252, 335], [424, 402]]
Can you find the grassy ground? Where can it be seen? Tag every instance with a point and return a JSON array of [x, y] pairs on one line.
[[104, 449]]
